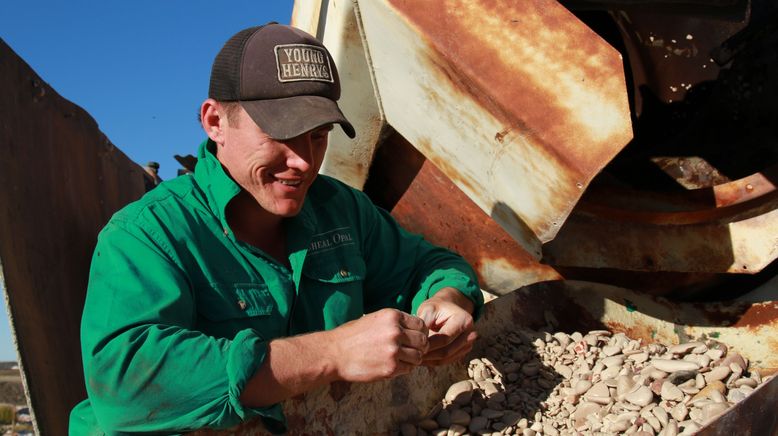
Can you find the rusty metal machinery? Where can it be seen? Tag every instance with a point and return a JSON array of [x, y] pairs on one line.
[[484, 114], [616, 161]]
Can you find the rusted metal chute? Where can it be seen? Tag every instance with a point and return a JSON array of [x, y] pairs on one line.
[[520, 107]]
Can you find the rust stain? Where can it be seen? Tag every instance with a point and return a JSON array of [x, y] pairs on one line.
[[759, 314], [527, 62], [747, 188], [638, 331]]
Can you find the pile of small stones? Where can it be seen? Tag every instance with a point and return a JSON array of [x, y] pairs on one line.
[[599, 383]]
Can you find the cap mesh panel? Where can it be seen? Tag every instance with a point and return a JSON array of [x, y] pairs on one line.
[[225, 73]]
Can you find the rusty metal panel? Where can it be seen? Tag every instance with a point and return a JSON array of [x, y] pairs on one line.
[[61, 181], [518, 103], [747, 328], [335, 23], [431, 205]]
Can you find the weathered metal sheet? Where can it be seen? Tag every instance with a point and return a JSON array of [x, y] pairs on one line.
[[518, 103], [306, 15], [741, 237], [335, 23], [430, 204], [379, 408], [61, 181]]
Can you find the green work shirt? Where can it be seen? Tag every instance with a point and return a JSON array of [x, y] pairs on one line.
[[178, 312]]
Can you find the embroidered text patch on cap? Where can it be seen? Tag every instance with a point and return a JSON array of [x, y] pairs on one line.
[[297, 62]]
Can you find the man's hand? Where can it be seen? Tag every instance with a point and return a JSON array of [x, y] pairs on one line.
[[449, 315], [380, 345]]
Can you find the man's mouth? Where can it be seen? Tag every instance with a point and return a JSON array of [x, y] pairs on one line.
[[288, 182]]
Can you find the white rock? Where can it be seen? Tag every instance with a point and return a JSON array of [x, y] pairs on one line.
[[564, 370], [684, 348], [599, 393], [641, 396], [460, 392], [745, 382], [611, 350], [710, 411], [562, 338], [661, 415], [699, 381], [699, 359], [582, 386], [671, 429], [610, 373], [714, 354], [613, 361], [670, 392], [668, 365], [717, 373], [679, 412]]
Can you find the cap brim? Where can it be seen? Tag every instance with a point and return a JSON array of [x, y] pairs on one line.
[[285, 118]]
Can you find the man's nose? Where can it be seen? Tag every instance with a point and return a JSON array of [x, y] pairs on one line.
[[300, 154]]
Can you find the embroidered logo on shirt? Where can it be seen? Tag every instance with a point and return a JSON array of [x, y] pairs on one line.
[[330, 240], [298, 62]]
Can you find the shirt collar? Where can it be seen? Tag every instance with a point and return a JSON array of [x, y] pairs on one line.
[[220, 189]]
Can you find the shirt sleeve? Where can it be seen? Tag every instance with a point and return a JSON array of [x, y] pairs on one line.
[[404, 270], [146, 368]]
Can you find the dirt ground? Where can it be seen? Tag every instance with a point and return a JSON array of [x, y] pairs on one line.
[[11, 389]]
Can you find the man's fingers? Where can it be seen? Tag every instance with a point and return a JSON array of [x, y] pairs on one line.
[[413, 323], [428, 316], [410, 356], [453, 347], [450, 331], [445, 361], [415, 339]]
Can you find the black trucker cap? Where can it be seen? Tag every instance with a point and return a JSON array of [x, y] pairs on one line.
[[283, 77]]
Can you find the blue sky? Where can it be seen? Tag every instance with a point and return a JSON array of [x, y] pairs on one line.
[[140, 68]]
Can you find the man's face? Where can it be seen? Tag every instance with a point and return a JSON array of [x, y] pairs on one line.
[[276, 173]]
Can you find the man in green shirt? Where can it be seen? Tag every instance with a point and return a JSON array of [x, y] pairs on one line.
[[220, 294]]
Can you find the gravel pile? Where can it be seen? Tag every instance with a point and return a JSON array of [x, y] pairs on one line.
[[539, 383]]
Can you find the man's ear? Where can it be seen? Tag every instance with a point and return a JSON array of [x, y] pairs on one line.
[[213, 120]]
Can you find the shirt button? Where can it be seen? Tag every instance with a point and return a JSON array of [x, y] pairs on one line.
[[242, 304], [344, 272], [226, 232]]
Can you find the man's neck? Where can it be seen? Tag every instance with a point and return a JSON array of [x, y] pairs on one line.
[[256, 226]]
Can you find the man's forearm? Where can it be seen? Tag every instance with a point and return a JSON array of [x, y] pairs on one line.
[[292, 366], [379, 345]]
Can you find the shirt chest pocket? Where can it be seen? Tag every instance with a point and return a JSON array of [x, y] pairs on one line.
[[333, 289], [229, 308], [335, 269]]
